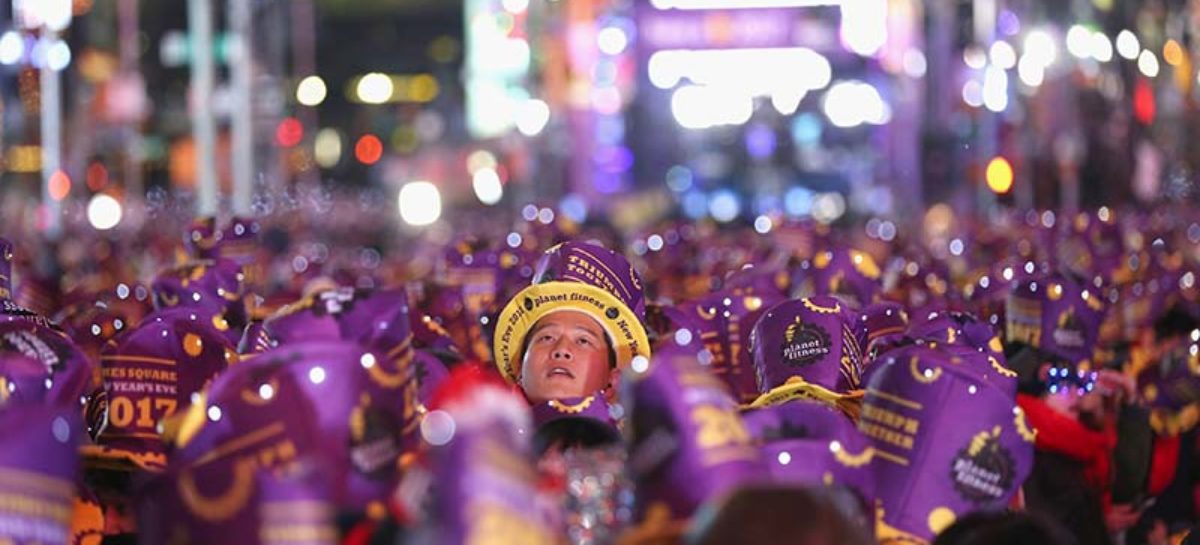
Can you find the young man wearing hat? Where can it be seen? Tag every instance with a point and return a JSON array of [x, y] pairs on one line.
[[569, 334], [564, 341]]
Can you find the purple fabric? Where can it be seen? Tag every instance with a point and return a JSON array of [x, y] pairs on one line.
[[687, 441], [239, 241], [597, 266], [958, 328], [377, 320], [152, 371], [274, 506], [202, 238], [1057, 315], [947, 443], [810, 338], [69, 372], [592, 410], [882, 324], [333, 404], [848, 274], [723, 322], [22, 380], [38, 465], [210, 287], [484, 473]]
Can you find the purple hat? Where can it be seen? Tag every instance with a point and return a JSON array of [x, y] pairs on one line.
[[922, 284], [202, 238], [958, 328], [1089, 243], [6, 258], [37, 473], [592, 411], [810, 339], [92, 326], [377, 320], [483, 467], [1174, 383], [988, 289], [10, 308], [295, 508], [67, 371], [332, 403], [212, 287], [1057, 315], [882, 324], [808, 443], [239, 241], [946, 443], [428, 334], [764, 279], [849, 274], [687, 441], [723, 321], [292, 505], [431, 373], [22, 380], [582, 277], [150, 372]]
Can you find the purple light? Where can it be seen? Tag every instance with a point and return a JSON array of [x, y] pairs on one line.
[[1008, 23], [615, 159], [760, 141], [606, 182]]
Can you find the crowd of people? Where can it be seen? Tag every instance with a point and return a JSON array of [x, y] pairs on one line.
[[296, 378]]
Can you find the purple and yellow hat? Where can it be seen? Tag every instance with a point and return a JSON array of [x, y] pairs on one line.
[[960, 329], [687, 442], [319, 401], [38, 469], [946, 443], [592, 412], [239, 241], [849, 274], [92, 326], [723, 321], [882, 325], [67, 372], [377, 320], [582, 277], [807, 443], [22, 381], [921, 284], [1057, 315], [202, 238], [148, 374], [483, 466], [10, 307], [285, 505], [214, 288], [806, 348]]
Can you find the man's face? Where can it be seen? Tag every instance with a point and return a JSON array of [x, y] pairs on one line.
[[567, 357]]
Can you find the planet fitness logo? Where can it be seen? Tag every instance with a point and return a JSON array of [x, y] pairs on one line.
[[804, 344], [983, 471]]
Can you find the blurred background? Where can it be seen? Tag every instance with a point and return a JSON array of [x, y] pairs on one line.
[[635, 110]]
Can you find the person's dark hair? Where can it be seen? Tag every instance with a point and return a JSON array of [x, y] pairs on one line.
[[769, 515], [1027, 361], [1004, 528], [1176, 322]]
